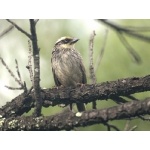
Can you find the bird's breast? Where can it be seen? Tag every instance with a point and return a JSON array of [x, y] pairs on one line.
[[67, 68]]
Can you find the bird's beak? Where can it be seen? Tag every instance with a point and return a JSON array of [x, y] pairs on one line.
[[74, 40]]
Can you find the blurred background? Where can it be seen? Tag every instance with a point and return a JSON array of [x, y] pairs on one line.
[[116, 62]]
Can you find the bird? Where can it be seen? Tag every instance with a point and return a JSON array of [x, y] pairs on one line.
[[67, 66]]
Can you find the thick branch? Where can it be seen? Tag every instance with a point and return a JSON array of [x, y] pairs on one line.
[[87, 93], [36, 55], [69, 120]]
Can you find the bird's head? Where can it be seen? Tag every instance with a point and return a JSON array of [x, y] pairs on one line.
[[66, 42]]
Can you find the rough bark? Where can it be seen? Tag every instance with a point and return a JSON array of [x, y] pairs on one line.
[[86, 93], [69, 120]]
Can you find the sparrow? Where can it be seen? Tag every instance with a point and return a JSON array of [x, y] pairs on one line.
[[67, 66]]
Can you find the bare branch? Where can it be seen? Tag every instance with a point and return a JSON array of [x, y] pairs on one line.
[[127, 31], [29, 91], [109, 126], [69, 120], [131, 50], [29, 67], [11, 73], [25, 88], [101, 52], [36, 21], [36, 56], [118, 99], [18, 72], [138, 29], [6, 31], [144, 118], [133, 128], [91, 67], [90, 93], [132, 97], [14, 88], [127, 126], [19, 28]]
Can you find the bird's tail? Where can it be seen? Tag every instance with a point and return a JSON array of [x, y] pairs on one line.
[[81, 107]]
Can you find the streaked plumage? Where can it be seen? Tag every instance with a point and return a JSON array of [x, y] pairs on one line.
[[67, 67]]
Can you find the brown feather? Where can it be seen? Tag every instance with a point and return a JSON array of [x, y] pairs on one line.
[[67, 66]]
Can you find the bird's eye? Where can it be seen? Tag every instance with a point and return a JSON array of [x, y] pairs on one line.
[[66, 40]]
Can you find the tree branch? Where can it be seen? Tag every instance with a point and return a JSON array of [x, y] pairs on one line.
[[6, 31], [130, 49], [11, 73], [128, 31], [100, 56], [36, 59], [89, 93], [69, 120], [91, 66], [19, 28]]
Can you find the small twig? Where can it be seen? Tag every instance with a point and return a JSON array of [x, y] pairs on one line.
[[138, 29], [129, 47], [118, 99], [29, 67], [109, 126], [36, 20], [144, 119], [132, 97], [6, 31], [18, 72], [29, 91], [25, 88], [91, 67], [133, 128], [11, 73], [14, 88], [19, 81], [101, 52], [19, 28], [127, 126], [127, 31]]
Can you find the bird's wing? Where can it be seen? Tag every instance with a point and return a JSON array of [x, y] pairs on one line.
[[84, 80], [81, 66], [56, 78]]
